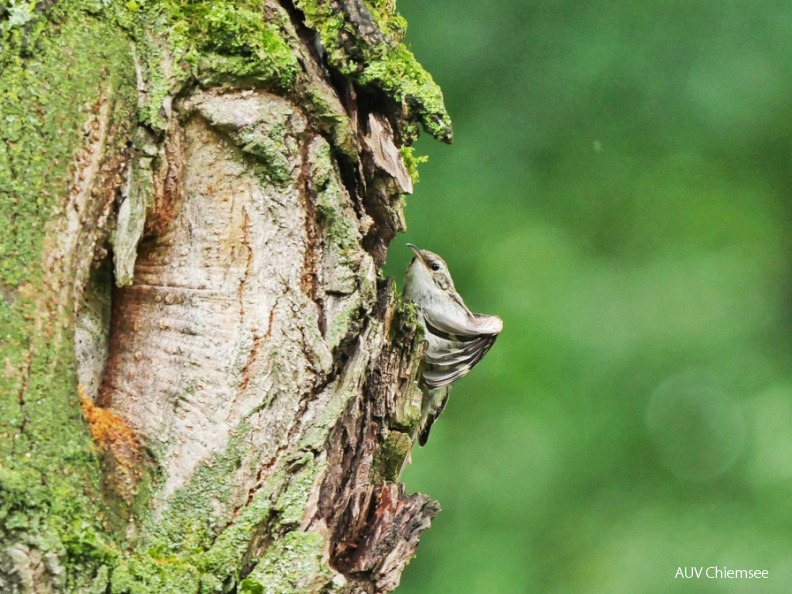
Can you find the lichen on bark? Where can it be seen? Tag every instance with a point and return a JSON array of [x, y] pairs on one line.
[[242, 168]]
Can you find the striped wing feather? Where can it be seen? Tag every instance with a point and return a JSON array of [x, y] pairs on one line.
[[466, 345]]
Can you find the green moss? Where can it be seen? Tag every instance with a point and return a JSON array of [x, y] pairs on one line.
[[154, 576], [388, 20], [390, 456], [405, 320], [223, 558], [211, 42], [21, 27], [268, 146], [273, 141], [386, 64], [329, 114], [319, 16], [315, 436], [178, 549], [291, 504], [189, 524], [411, 162], [233, 39], [340, 231], [282, 508], [187, 547], [399, 74], [51, 79], [42, 102], [341, 323], [293, 566]]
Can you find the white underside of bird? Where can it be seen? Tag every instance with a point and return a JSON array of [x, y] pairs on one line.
[[456, 338]]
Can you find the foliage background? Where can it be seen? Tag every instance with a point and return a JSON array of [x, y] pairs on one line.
[[619, 193]]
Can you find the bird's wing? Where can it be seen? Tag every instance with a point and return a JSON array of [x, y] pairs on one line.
[[462, 348], [447, 365], [476, 325]]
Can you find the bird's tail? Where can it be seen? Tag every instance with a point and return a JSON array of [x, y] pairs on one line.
[[434, 402]]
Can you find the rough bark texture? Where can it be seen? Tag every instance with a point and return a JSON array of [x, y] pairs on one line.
[[206, 385]]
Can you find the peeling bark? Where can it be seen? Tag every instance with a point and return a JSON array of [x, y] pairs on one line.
[[246, 392]]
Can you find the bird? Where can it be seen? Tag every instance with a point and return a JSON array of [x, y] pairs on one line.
[[456, 338]]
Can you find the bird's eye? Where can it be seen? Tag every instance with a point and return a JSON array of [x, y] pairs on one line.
[[435, 266]]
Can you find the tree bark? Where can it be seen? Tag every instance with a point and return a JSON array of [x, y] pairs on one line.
[[207, 384]]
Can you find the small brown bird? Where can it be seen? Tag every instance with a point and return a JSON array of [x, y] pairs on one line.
[[456, 338]]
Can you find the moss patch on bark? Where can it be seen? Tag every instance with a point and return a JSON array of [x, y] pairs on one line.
[[54, 67], [366, 46]]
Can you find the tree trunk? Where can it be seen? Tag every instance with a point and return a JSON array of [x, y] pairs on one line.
[[206, 385]]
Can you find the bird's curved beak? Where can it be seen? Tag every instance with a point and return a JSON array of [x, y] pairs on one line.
[[417, 253]]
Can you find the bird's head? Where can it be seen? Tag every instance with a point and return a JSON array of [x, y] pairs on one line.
[[428, 272]]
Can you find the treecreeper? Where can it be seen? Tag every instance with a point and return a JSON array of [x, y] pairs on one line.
[[456, 338]]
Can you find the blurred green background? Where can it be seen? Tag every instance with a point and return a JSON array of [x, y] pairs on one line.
[[619, 192]]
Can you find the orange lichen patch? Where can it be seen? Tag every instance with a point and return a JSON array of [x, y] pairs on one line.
[[123, 460], [107, 429]]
